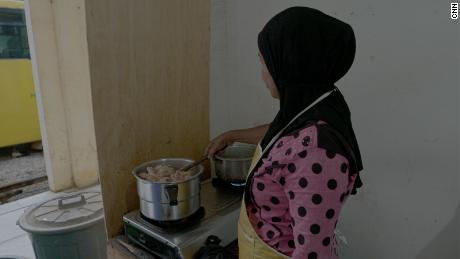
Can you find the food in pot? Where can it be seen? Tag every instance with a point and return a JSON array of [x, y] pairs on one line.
[[164, 173]]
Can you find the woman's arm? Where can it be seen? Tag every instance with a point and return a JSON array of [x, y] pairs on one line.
[[251, 136]]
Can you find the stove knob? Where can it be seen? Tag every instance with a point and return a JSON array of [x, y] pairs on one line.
[[212, 240], [142, 238]]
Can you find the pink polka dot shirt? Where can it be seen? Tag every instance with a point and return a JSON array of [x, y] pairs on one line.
[[297, 194]]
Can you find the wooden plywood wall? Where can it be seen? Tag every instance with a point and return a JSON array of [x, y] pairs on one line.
[[149, 68]]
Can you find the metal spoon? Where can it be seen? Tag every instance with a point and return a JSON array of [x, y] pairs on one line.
[[192, 165]]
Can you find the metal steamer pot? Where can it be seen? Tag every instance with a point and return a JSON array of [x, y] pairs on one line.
[[167, 201], [232, 165]]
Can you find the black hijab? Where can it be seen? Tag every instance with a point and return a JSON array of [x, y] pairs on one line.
[[306, 52]]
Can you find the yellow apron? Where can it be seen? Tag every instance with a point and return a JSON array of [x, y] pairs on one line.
[[249, 243]]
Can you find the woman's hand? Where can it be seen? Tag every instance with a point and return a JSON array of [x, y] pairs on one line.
[[251, 136], [219, 143]]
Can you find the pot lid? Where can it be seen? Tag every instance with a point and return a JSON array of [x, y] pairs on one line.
[[64, 213]]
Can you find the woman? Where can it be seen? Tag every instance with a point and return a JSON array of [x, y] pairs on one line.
[[309, 159]]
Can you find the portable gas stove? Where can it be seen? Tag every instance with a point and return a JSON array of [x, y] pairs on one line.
[[221, 209]]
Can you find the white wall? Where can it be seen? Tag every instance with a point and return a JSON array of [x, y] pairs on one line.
[[403, 92]]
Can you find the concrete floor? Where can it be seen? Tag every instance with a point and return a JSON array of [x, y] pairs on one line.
[[20, 169]]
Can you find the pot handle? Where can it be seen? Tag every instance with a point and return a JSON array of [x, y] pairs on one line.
[[171, 193], [73, 203]]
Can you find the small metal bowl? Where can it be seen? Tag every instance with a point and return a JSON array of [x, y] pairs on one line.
[[233, 164]]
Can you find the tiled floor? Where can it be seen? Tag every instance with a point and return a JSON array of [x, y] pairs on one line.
[[13, 240]]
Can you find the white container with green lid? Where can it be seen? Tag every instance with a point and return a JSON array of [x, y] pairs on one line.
[[70, 227]]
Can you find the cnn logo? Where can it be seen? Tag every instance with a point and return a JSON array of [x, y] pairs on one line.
[[454, 11]]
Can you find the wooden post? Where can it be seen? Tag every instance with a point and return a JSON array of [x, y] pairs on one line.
[[59, 52]]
